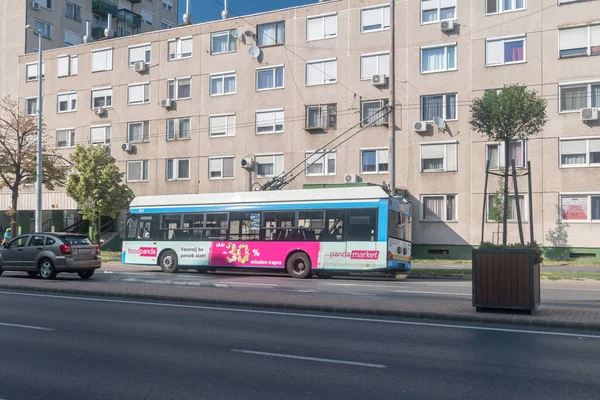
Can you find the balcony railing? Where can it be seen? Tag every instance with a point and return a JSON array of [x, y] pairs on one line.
[[98, 32], [135, 1], [129, 17], [104, 7]]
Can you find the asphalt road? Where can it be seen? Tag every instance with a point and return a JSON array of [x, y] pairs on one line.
[[71, 348]]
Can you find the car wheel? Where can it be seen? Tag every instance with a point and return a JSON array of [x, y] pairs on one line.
[[46, 269], [168, 262], [32, 274], [299, 266], [86, 274]]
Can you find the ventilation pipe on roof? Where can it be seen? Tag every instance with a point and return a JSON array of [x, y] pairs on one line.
[[88, 32], [225, 12], [187, 17], [108, 32]]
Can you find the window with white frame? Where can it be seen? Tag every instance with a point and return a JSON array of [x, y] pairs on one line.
[[168, 5], [179, 89], [375, 18], [496, 155], [580, 152], [102, 60], [101, 97], [180, 48], [321, 72], [439, 105], [439, 157], [100, 134], [67, 102], [321, 27], [138, 131], [45, 3], [374, 112], [67, 65], [220, 167], [580, 207], [269, 121], [31, 106], [505, 51], [31, 71], [223, 42], [138, 93], [223, 83], [437, 10], [501, 6], [322, 116], [42, 27], [73, 11], [320, 163], [178, 169], [165, 24], [271, 34], [65, 138], [374, 64], [221, 125], [137, 171], [512, 207], [147, 17], [577, 96], [141, 53], [438, 58], [269, 78], [374, 161], [178, 128], [72, 38], [268, 165], [439, 207]]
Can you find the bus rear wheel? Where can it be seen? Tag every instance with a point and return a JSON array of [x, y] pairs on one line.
[[299, 266], [168, 261]]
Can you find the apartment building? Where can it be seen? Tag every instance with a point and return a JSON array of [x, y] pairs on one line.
[[180, 109]]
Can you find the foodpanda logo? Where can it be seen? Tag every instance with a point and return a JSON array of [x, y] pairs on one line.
[[144, 251]]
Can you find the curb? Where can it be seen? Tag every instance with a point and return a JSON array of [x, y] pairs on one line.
[[482, 318]]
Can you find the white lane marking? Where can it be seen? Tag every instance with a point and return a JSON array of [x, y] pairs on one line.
[[440, 293], [246, 284], [323, 360], [37, 328], [301, 315], [108, 272], [337, 284]]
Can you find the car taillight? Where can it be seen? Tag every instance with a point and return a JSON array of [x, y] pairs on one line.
[[390, 256], [65, 249], [97, 249]]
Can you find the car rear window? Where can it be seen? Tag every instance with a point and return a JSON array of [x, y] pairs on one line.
[[76, 240]]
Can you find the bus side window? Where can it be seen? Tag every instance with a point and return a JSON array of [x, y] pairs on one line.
[[361, 225], [310, 224], [334, 226]]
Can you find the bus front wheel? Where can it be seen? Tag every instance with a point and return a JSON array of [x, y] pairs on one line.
[[298, 266], [168, 261]]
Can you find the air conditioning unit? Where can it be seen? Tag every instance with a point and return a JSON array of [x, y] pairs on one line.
[[352, 178], [126, 147], [99, 110], [166, 103], [140, 67], [247, 163], [447, 26], [35, 5], [588, 114], [379, 80], [420, 126]]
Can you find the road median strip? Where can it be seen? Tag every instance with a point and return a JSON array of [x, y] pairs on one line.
[[466, 273]]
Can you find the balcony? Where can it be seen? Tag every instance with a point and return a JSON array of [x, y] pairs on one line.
[[98, 32], [103, 8], [135, 1], [129, 17]]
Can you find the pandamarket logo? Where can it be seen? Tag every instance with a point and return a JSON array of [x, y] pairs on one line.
[[364, 255], [144, 251]]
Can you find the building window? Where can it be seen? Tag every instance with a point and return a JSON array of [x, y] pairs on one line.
[[505, 51], [100, 134], [45, 4], [580, 152], [137, 171], [223, 42], [72, 38], [512, 208], [101, 98], [374, 64], [102, 60], [269, 121], [374, 112], [180, 48], [320, 72], [500, 6], [580, 208], [31, 106], [31, 71], [67, 102], [438, 208], [73, 11], [271, 34], [221, 84], [441, 105], [67, 65], [575, 97], [179, 89], [140, 54], [220, 167], [320, 163], [374, 161], [164, 24], [268, 165], [178, 128], [437, 10], [439, 157], [517, 151], [138, 93], [321, 27], [65, 138], [438, 59], [221, 125], [147, 17], [178, 169], [42, 27], [322, 116], [375, 19], [269, 78], [138, 131], [167, 5]]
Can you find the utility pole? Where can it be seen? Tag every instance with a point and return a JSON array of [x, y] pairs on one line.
[[392, 101]]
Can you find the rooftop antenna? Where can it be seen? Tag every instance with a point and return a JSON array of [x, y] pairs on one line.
[[88, 32], [225, 12], [187, 17], [108, 32]]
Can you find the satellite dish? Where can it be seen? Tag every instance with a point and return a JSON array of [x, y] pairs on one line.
[[249, 33], [254, 51], [236, 33], [439, 122]]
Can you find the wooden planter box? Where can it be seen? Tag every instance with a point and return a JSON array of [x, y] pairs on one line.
[[507, 279]]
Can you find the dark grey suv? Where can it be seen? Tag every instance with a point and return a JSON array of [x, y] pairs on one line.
[[47, 254]]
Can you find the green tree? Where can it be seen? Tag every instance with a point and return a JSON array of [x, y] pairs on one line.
[[96, 184], [510, 114], [18, 156]]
